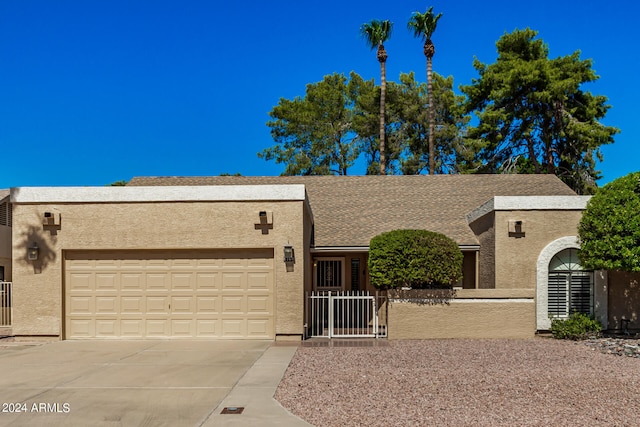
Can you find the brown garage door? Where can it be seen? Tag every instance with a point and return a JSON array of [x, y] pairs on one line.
[[160, 294]]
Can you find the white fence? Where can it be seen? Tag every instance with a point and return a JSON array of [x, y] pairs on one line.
[[346, 314], [5, 303]]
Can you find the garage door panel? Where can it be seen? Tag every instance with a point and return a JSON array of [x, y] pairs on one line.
[[131, 281], [208, 305], [128, 263], [81, 281], [233, 328], [207, 281], [184, 281], [105, 305], [259, 304], [104, 264], [260, 262], [107, 281], [183, 305], [157, 328], [81, 305], [159, 281], [258, 328], [81, 328], [233, 262], [233, 280], [157, 305], [233, 304], [182, 328], [258, 280], [134, 304], [208, 328], [147, 294], [132, 328], [107, 328]]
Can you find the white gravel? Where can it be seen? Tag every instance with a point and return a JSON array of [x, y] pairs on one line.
[[537, 382]]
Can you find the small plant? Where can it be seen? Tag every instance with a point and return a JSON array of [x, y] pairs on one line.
[[577, 326]]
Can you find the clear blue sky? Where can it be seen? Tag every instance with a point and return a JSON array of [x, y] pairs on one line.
[[93, 92]]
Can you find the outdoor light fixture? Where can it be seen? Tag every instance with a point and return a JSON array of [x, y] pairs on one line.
[[289, 256], [32, 252]]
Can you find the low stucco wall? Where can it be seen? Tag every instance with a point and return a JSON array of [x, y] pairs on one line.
[[471, 313]]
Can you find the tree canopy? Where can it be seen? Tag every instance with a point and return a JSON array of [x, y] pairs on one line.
[[315, 134], [610, 227], [409, 121], [338, 120], [534, 115]]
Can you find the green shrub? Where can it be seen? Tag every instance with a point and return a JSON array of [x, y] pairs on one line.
[[418, 259], [610, 227], [577, 326]]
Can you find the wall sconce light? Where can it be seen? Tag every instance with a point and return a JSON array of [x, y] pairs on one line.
[[32, 252], [289, 255]]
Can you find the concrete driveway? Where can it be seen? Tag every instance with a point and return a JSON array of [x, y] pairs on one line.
[[120, 383]]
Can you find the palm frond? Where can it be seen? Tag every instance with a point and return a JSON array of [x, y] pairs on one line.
[[376, 32], [423, 25]]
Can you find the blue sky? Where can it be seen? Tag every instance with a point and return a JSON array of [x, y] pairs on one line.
[[93, 92]]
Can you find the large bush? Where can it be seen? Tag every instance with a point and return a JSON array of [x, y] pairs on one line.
[[577, 326], [610, 227], [418, 259]]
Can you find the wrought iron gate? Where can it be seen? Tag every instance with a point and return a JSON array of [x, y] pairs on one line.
[[346, 314]]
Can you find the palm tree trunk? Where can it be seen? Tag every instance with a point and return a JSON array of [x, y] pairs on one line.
[[432, 162], [383, 93]]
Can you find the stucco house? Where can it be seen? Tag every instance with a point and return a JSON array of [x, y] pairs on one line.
[[232, 257]]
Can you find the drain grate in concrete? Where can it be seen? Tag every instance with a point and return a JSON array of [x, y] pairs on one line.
[[232, 410]]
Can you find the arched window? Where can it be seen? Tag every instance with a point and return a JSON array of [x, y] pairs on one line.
[[570, 287]]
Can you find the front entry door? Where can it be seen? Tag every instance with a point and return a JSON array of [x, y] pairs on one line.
[[329, 274]]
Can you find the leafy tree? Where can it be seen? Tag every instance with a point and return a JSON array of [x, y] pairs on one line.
[[376, 33], [423, 25], [419, 259], [411, 128], [366, 122], [315, 134], [610, 227], [120, 183], [534, 116]]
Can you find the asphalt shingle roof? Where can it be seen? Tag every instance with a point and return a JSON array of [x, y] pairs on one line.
[[350, 210]]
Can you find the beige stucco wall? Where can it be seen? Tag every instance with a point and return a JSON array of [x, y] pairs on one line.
[[516, 257], [624, 299], [472, 313], [154, 225]]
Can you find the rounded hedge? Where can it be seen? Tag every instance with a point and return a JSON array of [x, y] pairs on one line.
[[418, 259], [610, 227]]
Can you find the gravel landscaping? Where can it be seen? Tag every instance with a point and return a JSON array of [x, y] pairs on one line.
[[537, 382]]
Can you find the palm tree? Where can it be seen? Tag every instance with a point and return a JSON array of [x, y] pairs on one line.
[[423, 26], [375, 34]]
